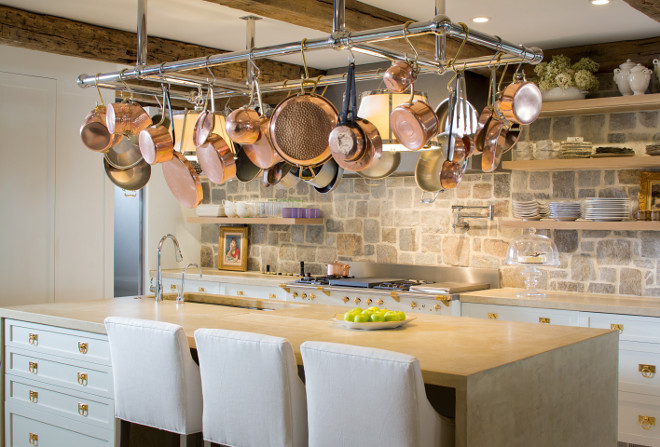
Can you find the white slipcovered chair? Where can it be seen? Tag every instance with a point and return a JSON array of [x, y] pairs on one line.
[[253, 396], [156, 380], [366, 397]]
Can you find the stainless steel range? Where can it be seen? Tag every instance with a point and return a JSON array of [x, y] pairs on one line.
[[426, 289]]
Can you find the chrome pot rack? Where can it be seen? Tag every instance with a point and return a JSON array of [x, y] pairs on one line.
[[147, 79]]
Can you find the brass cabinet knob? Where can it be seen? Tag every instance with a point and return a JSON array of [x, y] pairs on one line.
[[380, 302], [33, 439], [83, 409], [201, 289], [369, 301], [436, 307], [303, 295], [33, 339], [544, 320], [33, 367], [492, 316], [82, 379], [413, 304], [345, 299], [173, 286], [646, 421], [240, 293], [294, 294], [312, 296], [272, 296], [647, 371], [357, 300], [618, 327], [82, 347], [34, 397]]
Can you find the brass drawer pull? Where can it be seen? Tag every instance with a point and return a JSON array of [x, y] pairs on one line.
[[33, 439], [357, 300], [272, 296], [618, 327], [33, 339], [647, 371], [544, 320], [82, 347], [34, 397], [413, 304], [646, 421], [294, 294], [172, 286], [303, 295], [83, 409], [82, 379], [312, 296], [201, 289], [369, 301], [345, 299], [33, 367], [492, 316], [240, 293]]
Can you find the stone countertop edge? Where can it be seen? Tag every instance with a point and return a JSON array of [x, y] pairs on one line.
[[214, 275], [601, 303]]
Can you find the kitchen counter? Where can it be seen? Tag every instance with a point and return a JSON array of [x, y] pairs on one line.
[[516, 383], [215, 275], [616, 304]]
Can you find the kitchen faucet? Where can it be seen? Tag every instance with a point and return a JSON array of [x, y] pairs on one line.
[[179, 298], [461, 223], [159, 277]]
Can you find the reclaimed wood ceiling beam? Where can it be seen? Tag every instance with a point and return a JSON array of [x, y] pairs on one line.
[[650, 8], [317, 15], [609, 55], [57, 35]]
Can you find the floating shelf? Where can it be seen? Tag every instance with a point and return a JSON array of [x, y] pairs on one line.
[[602, 105], [547, 224], [575, 164], [255, 220]]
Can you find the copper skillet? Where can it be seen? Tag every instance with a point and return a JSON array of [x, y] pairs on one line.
[[183, 180], [216, 157]]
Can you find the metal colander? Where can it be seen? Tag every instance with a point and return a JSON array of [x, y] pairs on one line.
[[300, 127]]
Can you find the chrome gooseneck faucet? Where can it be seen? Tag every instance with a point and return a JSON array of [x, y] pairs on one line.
[[159, 277], [179, 298]]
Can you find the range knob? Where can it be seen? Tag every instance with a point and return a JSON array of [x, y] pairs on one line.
[[303, 295], [380, 302], [312, 296], [345, 299], [436, 307], [357, 300], [294, 294], [413, 304], [369, 301]]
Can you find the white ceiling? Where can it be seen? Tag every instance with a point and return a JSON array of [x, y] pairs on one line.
[[544, 23]]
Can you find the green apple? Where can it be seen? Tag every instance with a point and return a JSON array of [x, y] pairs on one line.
[[374, 309], [348, 316], [361, 318], [400, 316], [391, 316], [377, 317], [357, 310]]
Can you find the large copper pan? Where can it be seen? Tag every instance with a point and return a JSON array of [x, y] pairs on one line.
[[183, 180]]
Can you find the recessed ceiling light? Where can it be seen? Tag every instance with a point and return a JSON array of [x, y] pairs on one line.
[[599, 2], [484, 19]]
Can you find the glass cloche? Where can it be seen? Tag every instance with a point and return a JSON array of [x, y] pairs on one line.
[[532, 250]]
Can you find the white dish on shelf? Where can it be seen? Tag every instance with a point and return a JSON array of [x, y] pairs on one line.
[[371, 326]]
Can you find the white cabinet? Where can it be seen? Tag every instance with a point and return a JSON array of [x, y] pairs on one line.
[[522, 314], [58, 387], [251, 291]]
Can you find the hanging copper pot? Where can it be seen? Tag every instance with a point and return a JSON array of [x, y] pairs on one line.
[[413, 124], [216, 159], [127, 117], [399, 76], [261, 152], [183, 180], [94, 132]]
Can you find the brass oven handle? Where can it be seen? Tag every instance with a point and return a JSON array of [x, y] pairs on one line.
[[33, 339], [82, 347], [436, 307], [357, 300], [303, 295], [286, 289], [33, 367], [446, 300], [492, 316], [646, 421], [34, 397], [82, 379], [413, 304], [83, 409], [240, 293], [272, 296], [312, 296], [294, 294], [327, 292], [647, 371], [201, 289]]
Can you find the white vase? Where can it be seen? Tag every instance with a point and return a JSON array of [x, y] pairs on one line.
[[563, 94], [639, 79], [621, 77], [656, 67]]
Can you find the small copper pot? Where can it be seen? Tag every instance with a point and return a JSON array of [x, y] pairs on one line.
[[521, 102], [94, 132], [156, 144], [338, 269], [126, 117], [261, 152], [216, 159], [399, 77], [243, 126], [183, 181], [413, 124]]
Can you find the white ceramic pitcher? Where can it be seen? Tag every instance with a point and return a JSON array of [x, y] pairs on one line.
[[621, 77], [656, 66], [639, 79]]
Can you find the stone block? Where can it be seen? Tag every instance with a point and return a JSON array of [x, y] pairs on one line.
[[482, 191], [431, 243], [519, 181], [360, 186], [456, 250], [349, 244], [615, 191], [540, 129], [344, 187], [607, 274], [616, 137], [582, 268], [563, 127], [589, 178], [386, 254], [613, 252], [373, 208], [424, 259], [566, 240], [287, 252], [273, 239], [597, 287], [298, 234], [648, 120], [369, 250], [255, 251], [218, 195], [371, 230], [630, 281], [254, 264], [206, 258], [305, 253], [231, 186], [622, 121], [324, 255], [209, 234], [587, 246], [608, 177], [334, 226], [652, 291], [539, 180], [403, 198], [566, 286], [584, 193], [353, 226], [650, 244], [407, 239], [502, 186], [379, 190], [388, 235], [563, 184], [314, 234], [628, 177], [495, 247], [361, 208], [591, 127], [403, 218], [257, 234]]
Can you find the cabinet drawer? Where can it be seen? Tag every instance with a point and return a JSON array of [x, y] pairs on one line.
[[58, 341], [523, 314], [77, 406], [25, 428], [263, 292], [639, 371], [636, 413], [632, 328], [90, 378], [201, 286]]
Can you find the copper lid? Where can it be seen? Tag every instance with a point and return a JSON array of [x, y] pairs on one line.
[[183, 181]]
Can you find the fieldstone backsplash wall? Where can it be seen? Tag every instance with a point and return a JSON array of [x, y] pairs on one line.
[[384, 221]]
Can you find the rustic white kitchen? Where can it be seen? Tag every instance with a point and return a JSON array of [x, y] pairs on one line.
[[430, 223]]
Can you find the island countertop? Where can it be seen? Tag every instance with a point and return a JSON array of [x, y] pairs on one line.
[[480, 359]]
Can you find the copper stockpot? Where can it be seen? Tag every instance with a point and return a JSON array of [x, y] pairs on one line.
[[94, 131], [183, 180], [243, 125], [261, 152], [413, 124], [126, 117], [399, 76], [216, 159]]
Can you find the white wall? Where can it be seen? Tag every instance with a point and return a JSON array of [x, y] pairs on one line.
[[56, 203]]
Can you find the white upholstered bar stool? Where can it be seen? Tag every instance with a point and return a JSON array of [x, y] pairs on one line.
[[253, 396], [156, 380], [368, 397]]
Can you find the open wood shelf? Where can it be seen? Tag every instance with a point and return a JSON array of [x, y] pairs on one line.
[[548, 224], [256, 220], [601, 105], [574, 164]]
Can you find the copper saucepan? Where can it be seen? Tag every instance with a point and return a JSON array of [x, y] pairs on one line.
[[183, 180], [216, 159], [399, 76], [347, 141], [413, 123], [521, 102], [338, 269], [261, 152], [126, 117], [157, 143], [94, 131]]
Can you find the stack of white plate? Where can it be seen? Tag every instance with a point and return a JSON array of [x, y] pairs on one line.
[[544, 209], [565, 211], [570, 149], [653, 149], [526, 210], [606, 209], [210, 210]]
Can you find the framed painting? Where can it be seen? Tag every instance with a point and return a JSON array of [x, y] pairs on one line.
[[232, 248], [649, 191]]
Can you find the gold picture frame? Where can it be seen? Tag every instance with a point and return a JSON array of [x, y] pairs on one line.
[[649, 191], [232, 248]]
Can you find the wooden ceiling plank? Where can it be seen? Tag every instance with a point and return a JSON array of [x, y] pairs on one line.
[[650, 8]]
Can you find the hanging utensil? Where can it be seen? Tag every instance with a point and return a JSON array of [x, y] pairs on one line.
[[94, 131], [216, 159], [126, 116], [402, 74], [244, 125], [157, 143], [521, 100], [261, 152], [451, 172], [124, 154], [413, 123]]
